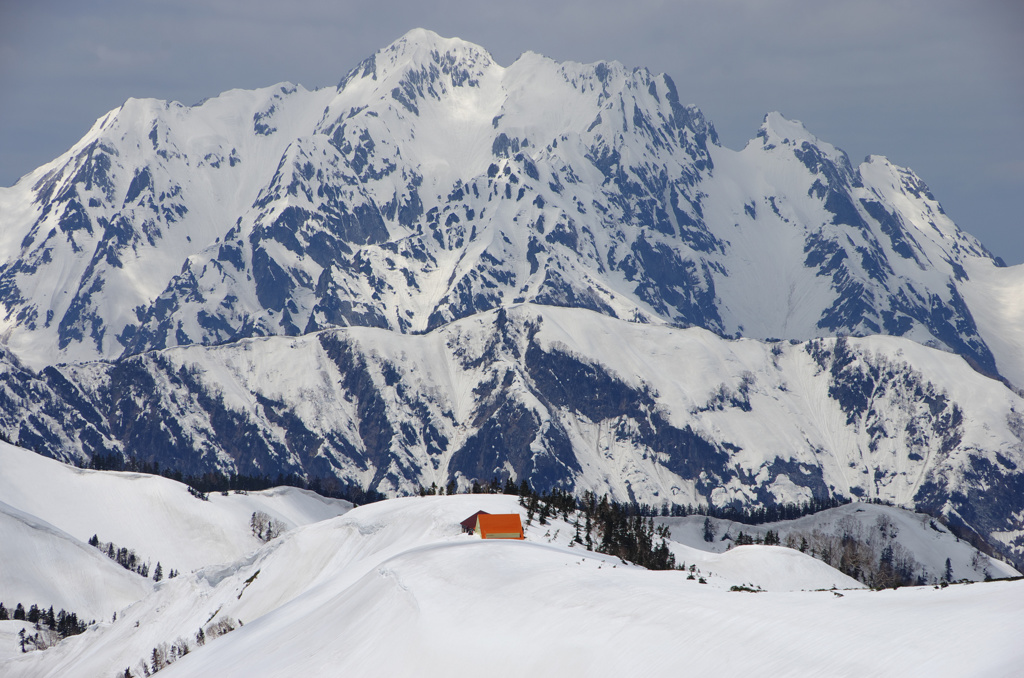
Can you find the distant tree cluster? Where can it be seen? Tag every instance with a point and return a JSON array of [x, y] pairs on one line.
[[123, 556], [128, 559], [264, 527], [50, 627], [165, 654], [201, 485], [620, 529], [769, 539], [757, 515], [871, 556], [493, 486]]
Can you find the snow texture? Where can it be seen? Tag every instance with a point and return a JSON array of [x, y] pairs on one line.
[[394, 588]]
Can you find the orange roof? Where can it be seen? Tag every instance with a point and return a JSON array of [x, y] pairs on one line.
[[499, 526]]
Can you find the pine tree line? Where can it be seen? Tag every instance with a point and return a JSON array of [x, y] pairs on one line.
[[751, 516], [203, 484], [50, 627], [127, 559], [770, 539], [614, 528]]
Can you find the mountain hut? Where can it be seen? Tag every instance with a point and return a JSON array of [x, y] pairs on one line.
[[499, 526]]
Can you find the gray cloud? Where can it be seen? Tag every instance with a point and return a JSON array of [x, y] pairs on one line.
[[936, 85]]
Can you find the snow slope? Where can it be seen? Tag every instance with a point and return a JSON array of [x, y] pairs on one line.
[[395, 589], [42, 565], [996, 298], [158, 518]]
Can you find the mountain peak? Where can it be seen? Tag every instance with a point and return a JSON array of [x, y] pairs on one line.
[[417, 49], [776, 129]]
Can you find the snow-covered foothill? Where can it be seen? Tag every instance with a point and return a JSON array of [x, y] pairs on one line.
[[156, 517], [926, 539], [41, 565]]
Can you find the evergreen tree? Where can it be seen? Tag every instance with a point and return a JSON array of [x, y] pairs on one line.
[[158, 573], [948, 574], [4, 614], [709, 530], [158, 659], [19, 612]]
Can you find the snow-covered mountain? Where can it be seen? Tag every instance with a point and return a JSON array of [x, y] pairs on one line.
[[447, 269], [433, 184]]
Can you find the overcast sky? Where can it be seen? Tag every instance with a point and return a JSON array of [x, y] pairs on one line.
[[935, 85]]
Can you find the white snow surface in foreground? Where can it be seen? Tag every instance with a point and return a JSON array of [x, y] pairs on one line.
[[395, 589]]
